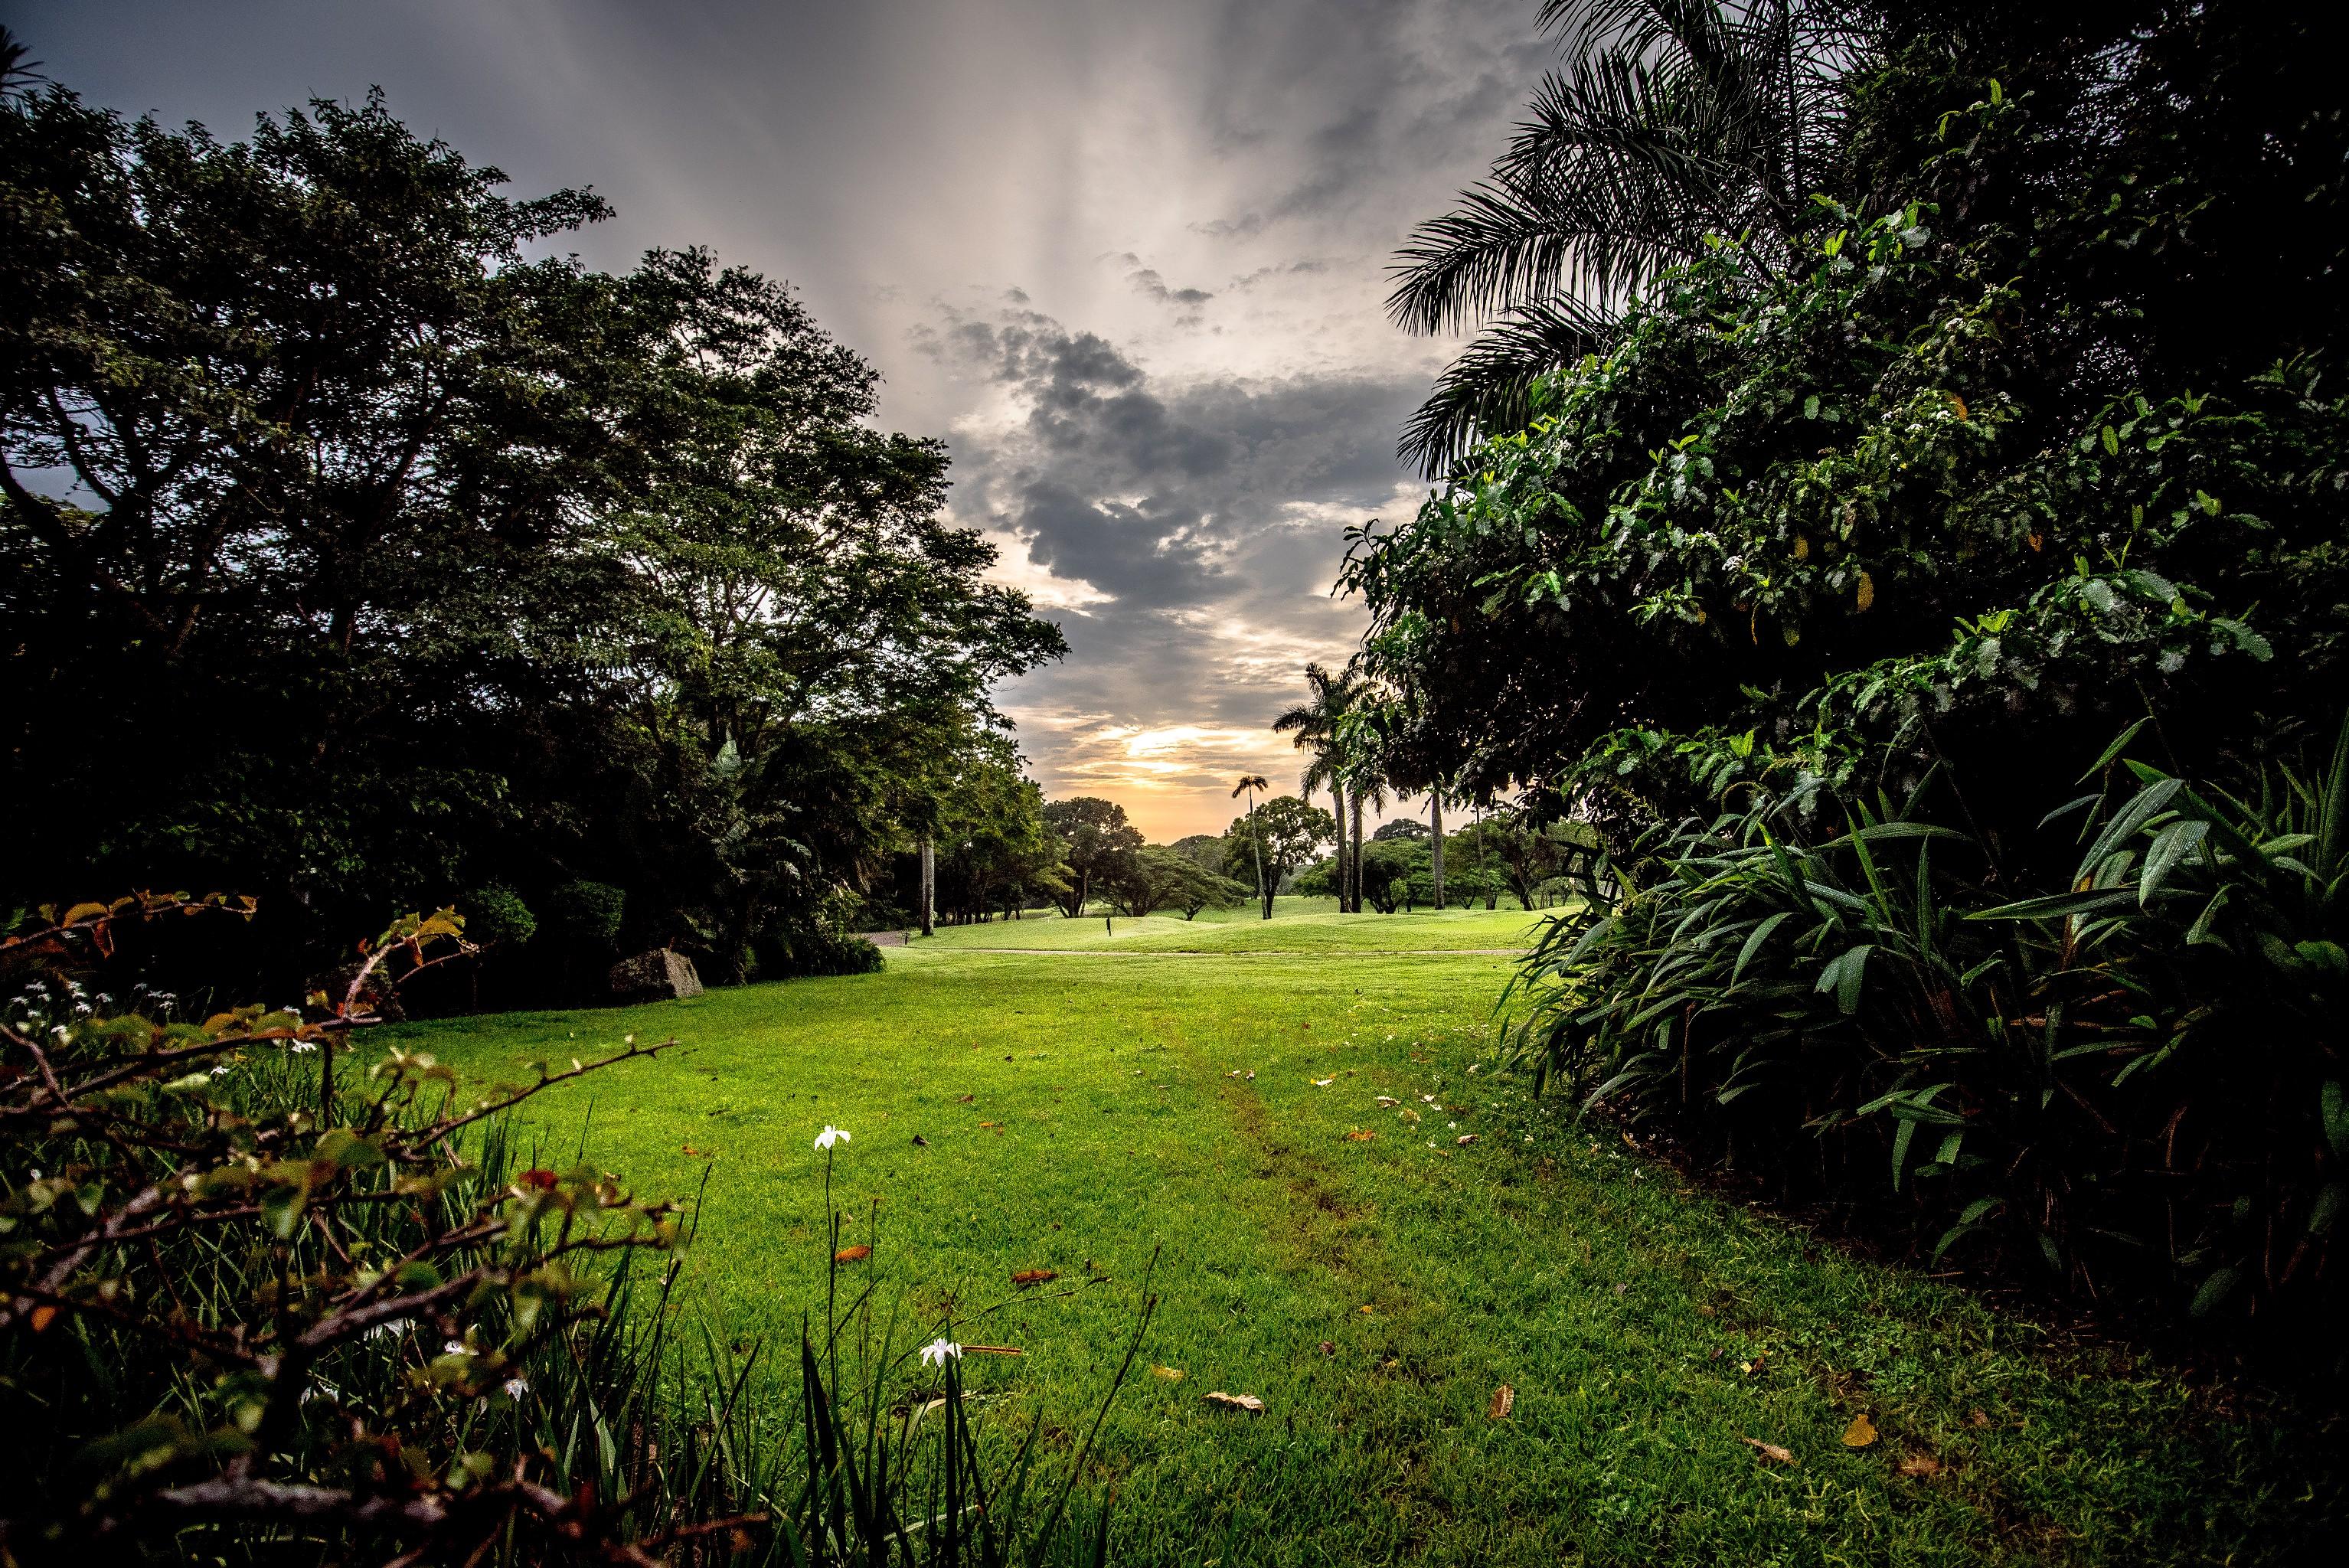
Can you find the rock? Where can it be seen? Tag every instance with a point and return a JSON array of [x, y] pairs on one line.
[[663, 975]]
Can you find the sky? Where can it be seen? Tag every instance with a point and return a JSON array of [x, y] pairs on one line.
[[1128, 258]]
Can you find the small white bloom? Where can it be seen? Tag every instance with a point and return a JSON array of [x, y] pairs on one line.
[[938, 1352], [832, 1135], [383, 1330], [516, 1387], [304, 1047], [222, 1071], [456, 1347]]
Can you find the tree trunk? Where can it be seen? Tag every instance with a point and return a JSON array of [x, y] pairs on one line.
[[1435, 803], [1337, 798], [929, 885], [1358, 851]]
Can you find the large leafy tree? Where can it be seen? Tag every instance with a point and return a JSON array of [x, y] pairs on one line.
[[355, 557], [1095, 841], [1286, 831]]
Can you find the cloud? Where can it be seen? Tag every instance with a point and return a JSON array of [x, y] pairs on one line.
[[1148, 282], [1194, 525]]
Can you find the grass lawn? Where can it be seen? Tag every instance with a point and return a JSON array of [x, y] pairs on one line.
[[1081, 1113]]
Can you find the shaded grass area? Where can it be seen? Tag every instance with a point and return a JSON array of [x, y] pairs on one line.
[[1648, 1331], [1291, 930]]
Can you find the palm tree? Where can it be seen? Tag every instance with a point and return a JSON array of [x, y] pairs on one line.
[[1312, 726], [1364, 782], [1252, 782], [1674, 122]]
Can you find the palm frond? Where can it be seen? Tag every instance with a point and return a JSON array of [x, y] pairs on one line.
[[1489, 389]]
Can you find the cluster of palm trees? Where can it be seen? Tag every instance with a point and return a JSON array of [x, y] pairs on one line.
[[1338, 761]]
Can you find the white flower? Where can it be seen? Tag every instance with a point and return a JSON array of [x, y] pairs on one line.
[[456, 1347], [303, 1047], [938, 1352], [392, 1326], [832, 1135], [516, 1387], [222, 1071]]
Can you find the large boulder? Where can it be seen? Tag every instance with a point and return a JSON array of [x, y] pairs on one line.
[[660, 976]]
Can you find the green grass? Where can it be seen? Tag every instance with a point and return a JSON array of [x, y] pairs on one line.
[[1299, 925], [1648, 1331]]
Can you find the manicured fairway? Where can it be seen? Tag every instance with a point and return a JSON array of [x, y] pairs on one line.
[[1079, 1111]]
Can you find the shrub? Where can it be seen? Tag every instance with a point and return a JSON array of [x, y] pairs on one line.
[[495, 915], [788, 954], [250, 1309], [588, 914], [2133, 1090]]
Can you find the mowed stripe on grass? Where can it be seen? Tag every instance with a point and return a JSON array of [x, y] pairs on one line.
[[1651, 1335]]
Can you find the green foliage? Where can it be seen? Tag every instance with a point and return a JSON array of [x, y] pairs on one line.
[[589, 914], [1285, 831], [254, 1313], [496, 915], [1155, 877], [433, 565], [2132, 1089], [1095, 839]]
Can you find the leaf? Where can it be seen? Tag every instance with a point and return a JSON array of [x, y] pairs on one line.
[[2112, 441], [1027, 1277], [1867, 591], [1171, 1374], [1361, 1135], [42, 1316], [1771, 1452], [1861, 1433], [1247, 1403], [2329, 1100], [1466, 1139], [855, 1254], [1323, 1083], [1505, 1399], [2215, 1291], [1920, 1465]]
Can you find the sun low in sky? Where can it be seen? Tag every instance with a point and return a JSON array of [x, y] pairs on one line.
[[1128, 259]]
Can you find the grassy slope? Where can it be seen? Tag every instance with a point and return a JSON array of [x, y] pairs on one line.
[[1625, 1312], [1308, 930]]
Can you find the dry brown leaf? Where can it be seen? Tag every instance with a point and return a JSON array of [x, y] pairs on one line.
[[1707, 1312], [1505, 1399], [1769, 1452], [1366, 1308], [41, 1317], [1920, 1465], [1388, 1101], [965, 1100], [990, 1124], [1248, 1403], [1861, 1433], [1328, 1349], [1026, 1277], [1409, 1115], [1361, 1135], [1976, 1418], [1172, 1373], [856, 1253], [1466, 1139]]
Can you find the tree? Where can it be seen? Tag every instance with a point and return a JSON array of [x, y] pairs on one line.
[[1251, 783], [1286, 833], [312, 479], [1155, 877], [1312, 726], [998, 850], [1094, 838], [1675, 123]]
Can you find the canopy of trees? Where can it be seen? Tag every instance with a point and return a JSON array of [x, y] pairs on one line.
[[357, 560]]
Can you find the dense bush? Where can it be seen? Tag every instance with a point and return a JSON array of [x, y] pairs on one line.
[[260, 1304], [2135, 1088]]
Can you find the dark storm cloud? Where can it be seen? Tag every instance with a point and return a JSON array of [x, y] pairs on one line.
[[1165, 496]]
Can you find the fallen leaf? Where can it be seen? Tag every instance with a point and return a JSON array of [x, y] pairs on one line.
[[1920, 1465], [1465, 1138], [1026, 1277], [1328, 1349], [1620, 1287], [41, 1317], [1631, 1142], [696, 1153], [1389, 1101], [1505, 1399], [1223, 1401], [1361, 1135], [1234, 1073], [1861, 1433], [1323, 1083], [1364, 1308], [854, 1255], [965, 1100], [1409, 1115], [1976, 1418], [1172, 1373], [1707, 1312], [1769, 1452], [985, 1124]]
